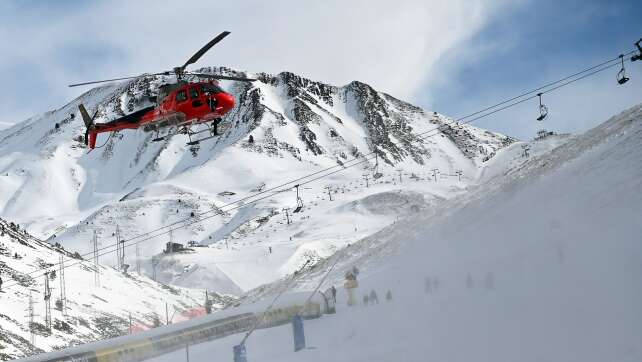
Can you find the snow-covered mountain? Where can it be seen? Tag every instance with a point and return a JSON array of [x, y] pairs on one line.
[[53, 187], [92, 310]]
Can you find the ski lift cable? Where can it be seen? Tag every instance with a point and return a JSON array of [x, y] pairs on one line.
[[148, 235], [544, 86]]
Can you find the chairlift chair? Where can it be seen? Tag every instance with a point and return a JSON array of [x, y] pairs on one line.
[[299, 201], [543, 110], [621, 75]]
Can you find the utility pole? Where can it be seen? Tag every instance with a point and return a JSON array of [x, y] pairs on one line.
[[166, 315], [32, 334], [119, 251], [399, 170], [329, 192], [434, 173], [63, 292], [47, 297], [365, 176], [137, 259], [96, 271], [155, 262], [121, 242], [459, 173], [287, 218]]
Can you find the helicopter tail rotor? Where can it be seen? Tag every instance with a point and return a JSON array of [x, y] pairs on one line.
[[90, 134]]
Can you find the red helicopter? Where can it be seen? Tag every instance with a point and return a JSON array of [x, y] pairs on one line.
[[180, 105]]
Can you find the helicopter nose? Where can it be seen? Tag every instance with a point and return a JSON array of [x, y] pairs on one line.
[[225, 101]]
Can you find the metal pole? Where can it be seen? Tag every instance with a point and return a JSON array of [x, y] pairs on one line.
[[137, 259], [166, 315], [96, 271], [63, 292]]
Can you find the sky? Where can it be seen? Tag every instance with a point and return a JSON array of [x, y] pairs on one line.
[[453, 57]]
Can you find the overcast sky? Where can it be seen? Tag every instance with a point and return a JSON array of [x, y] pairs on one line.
[[450, 56]]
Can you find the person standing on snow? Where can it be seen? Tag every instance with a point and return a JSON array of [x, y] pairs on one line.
[[373, 297], [389, 296]]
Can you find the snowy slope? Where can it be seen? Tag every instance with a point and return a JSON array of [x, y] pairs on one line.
[[299, 126], [543, 263], [93, 311]]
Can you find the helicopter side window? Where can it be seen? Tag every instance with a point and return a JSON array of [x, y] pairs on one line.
[[193, 92], [181, 96], [212, 89]]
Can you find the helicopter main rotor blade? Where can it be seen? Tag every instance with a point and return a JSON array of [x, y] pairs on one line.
[[222, 77], [204, 49], [117, 79], [102, 81]]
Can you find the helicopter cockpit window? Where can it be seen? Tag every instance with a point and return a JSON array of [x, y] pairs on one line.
[[212, 88], [181, 96], [193, 92]]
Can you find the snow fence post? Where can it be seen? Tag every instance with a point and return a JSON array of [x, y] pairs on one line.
[[299, 335], [240, 355]]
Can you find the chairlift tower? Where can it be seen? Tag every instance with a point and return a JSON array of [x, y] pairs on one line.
[[96, 270], [399, 170], [287, 215], [63, 292], [120, 250], [525, 148], [47, 298], [329, 192], [365, 176], [459, 173], [435, 171]]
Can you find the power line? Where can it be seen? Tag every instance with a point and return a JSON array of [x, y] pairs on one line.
[[275, 189]]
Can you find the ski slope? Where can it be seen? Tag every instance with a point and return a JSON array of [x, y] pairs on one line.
[[542, 263]]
